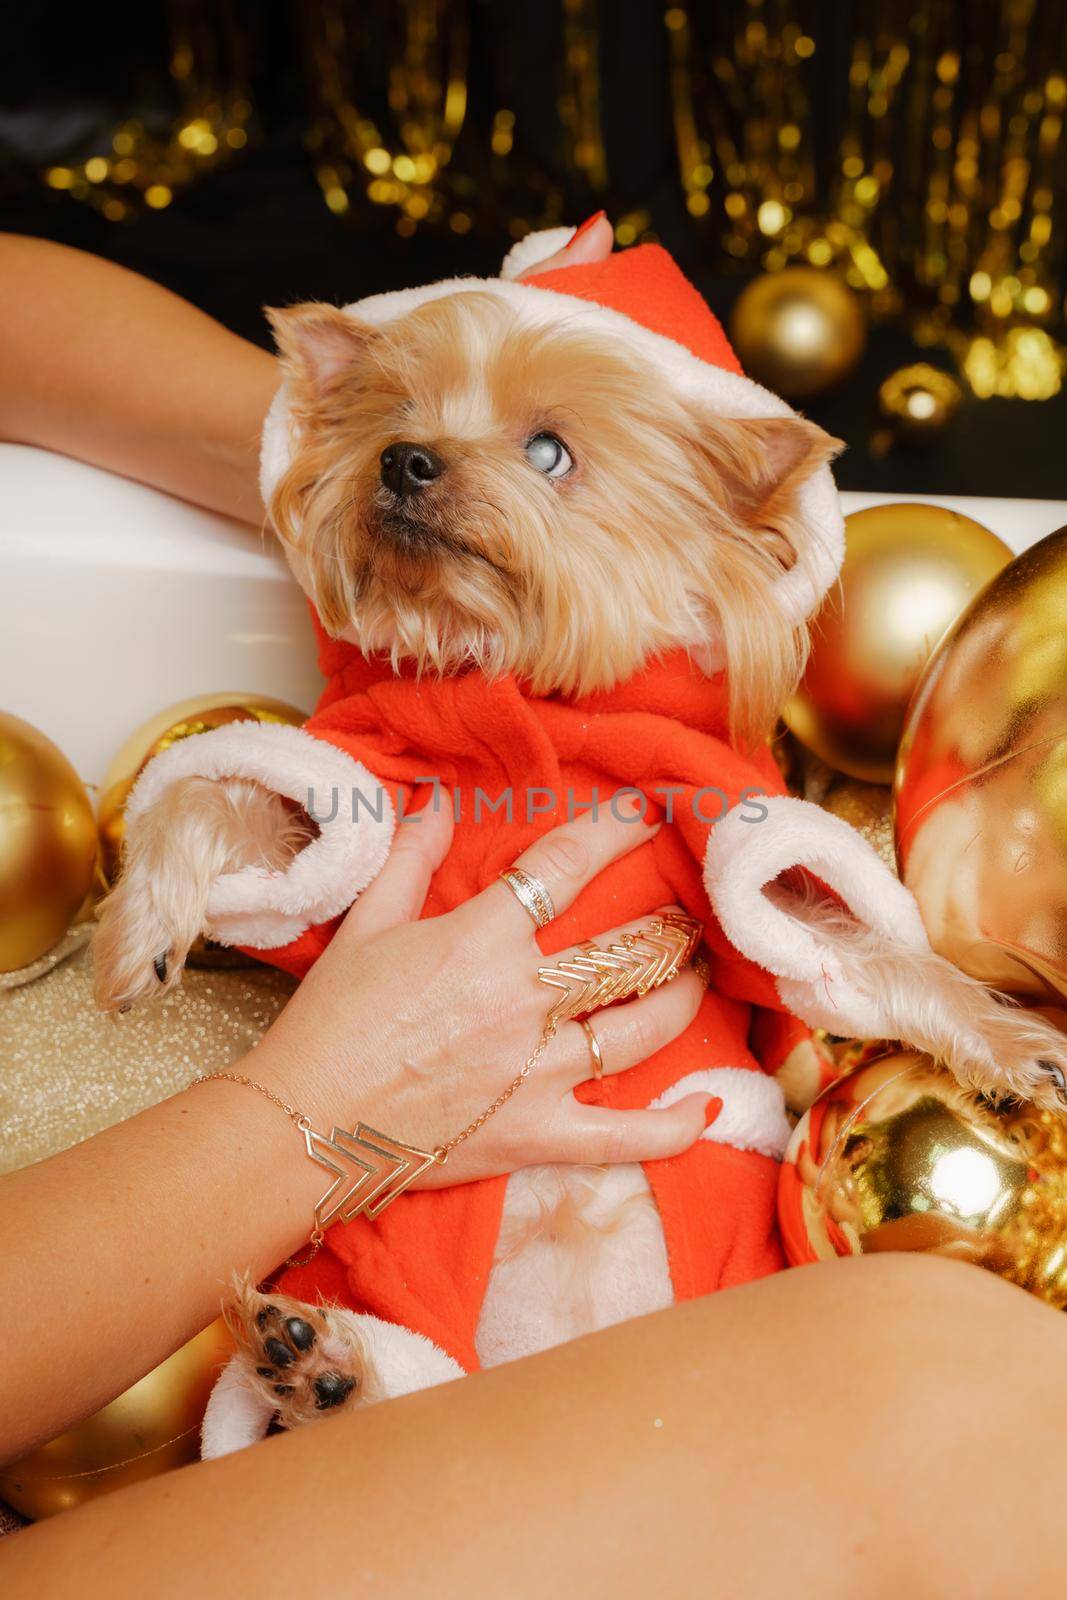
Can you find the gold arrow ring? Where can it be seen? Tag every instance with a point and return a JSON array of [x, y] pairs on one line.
[[599, 975]]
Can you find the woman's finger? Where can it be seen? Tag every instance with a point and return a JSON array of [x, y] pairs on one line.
[[568, 858], [592, 1134], [627, 1034], [399, 891], [593, 241], [610, 936]]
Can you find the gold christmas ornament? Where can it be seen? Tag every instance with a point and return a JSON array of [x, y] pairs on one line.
[[867, 807], [152, 1428], [919, 402], [799, 331], [47, 843], [909, 571], [981, 783], [897, 1156], [197, 715]]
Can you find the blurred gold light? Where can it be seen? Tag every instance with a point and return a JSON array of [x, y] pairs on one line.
[[377, 160], [157, 195], [772, 217], [96, 169]]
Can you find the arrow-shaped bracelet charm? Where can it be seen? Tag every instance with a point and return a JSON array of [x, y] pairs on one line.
[[370, 1170]]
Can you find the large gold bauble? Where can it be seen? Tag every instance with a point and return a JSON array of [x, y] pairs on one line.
[[47, 843], [152, 1428], [897, 1156], [800, 331], [909, 571], [981, 783], [176, 722]]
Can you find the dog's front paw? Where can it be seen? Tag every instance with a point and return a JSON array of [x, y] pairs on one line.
[[135, 952], [306, 1360]]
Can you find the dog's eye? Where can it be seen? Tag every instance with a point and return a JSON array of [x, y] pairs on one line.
[[549, 455]]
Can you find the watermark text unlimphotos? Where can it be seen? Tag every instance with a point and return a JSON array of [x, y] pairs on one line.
[[708, 804]]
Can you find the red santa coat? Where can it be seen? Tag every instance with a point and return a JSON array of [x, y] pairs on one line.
[[425, 1261]]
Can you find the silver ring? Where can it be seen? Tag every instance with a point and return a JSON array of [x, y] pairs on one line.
[[531, 894]]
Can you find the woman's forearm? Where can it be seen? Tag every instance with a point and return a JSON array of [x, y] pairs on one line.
[[114, 1253], [126, 1245], [99, 363]]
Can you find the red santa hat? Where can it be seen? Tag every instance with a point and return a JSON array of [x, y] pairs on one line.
[[641, 300]]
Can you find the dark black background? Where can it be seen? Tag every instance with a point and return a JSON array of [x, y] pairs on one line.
[[257, 231]]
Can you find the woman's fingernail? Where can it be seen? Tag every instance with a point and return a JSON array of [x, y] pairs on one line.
[[630, 804], [586, 225], [711, 1110]]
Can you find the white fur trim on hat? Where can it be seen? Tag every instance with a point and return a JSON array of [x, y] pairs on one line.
[[534, 248], [727, 394], [753, 1115], [257, 907]]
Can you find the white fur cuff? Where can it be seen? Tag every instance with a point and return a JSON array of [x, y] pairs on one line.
[[264, 909], [753, 1115], [783, 934]]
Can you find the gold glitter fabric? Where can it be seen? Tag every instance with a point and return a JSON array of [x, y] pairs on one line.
[[66, 1070], [868, 807]]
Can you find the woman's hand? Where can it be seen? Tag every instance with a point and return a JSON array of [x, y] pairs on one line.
[[416, 1027]]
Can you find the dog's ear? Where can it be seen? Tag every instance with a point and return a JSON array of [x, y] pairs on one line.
[[755, 468], [316, 343], [750, 473]]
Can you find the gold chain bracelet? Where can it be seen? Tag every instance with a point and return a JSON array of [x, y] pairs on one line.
[[370, 1168]]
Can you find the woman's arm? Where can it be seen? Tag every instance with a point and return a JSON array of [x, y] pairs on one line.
[[98, 363], [114, 1253]]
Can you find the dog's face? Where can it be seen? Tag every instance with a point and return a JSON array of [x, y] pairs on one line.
[[470, 490]]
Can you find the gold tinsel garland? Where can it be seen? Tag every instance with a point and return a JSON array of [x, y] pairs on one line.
[[935, 192], [941, 200]]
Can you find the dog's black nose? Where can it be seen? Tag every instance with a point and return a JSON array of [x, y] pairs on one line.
[[407, 468]]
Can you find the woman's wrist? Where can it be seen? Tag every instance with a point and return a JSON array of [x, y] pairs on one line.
[[313, 1089]]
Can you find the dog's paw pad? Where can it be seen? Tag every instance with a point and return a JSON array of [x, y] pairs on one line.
[[301, 1334], [277, 1353], [305, 1362], [332, 1389]]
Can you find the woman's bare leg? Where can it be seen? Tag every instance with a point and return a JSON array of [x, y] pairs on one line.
[[895, 1424]]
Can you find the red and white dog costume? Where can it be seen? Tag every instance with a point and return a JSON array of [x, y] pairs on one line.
[[430, 1263]]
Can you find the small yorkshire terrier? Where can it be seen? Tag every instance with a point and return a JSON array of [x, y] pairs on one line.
[[471, 492], [499, 483]]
